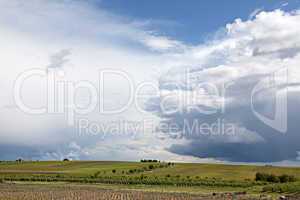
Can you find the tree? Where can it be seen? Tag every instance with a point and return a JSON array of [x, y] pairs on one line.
[[272, 178], [286, 178], [151, 167], [261, 176]]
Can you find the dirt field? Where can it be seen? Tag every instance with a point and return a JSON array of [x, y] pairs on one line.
[[46, 192]]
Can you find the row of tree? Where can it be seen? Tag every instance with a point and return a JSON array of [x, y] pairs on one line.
[[149, 161], [273, 178]]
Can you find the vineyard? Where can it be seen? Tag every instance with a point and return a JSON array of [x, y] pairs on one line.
[[146, 180]]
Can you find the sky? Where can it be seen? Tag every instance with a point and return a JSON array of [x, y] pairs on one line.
[[195, 21], [197, 81]]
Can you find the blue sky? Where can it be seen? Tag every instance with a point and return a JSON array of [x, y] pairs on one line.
[[203, 62], [192, 21]]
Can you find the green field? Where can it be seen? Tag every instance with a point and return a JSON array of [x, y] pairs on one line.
[[162, 177], [88, 168]]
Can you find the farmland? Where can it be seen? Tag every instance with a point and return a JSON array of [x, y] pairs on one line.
[[80, 192], [140, 180]]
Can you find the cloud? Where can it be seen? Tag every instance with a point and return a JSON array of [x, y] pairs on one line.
[[254, 13], [247, 52], [220, 88], [43, 34], [59, 59], [144, 146], [163, 44]]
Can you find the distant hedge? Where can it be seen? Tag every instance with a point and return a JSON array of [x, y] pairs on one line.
[[150, 161], [273, 178]]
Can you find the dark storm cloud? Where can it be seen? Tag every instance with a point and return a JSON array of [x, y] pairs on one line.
[[273, 145]]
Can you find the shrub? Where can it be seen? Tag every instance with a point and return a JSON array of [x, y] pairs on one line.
[[282, 188], [261, 176], [286, 178], [96, 174], [273, 178], [151, 167]]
